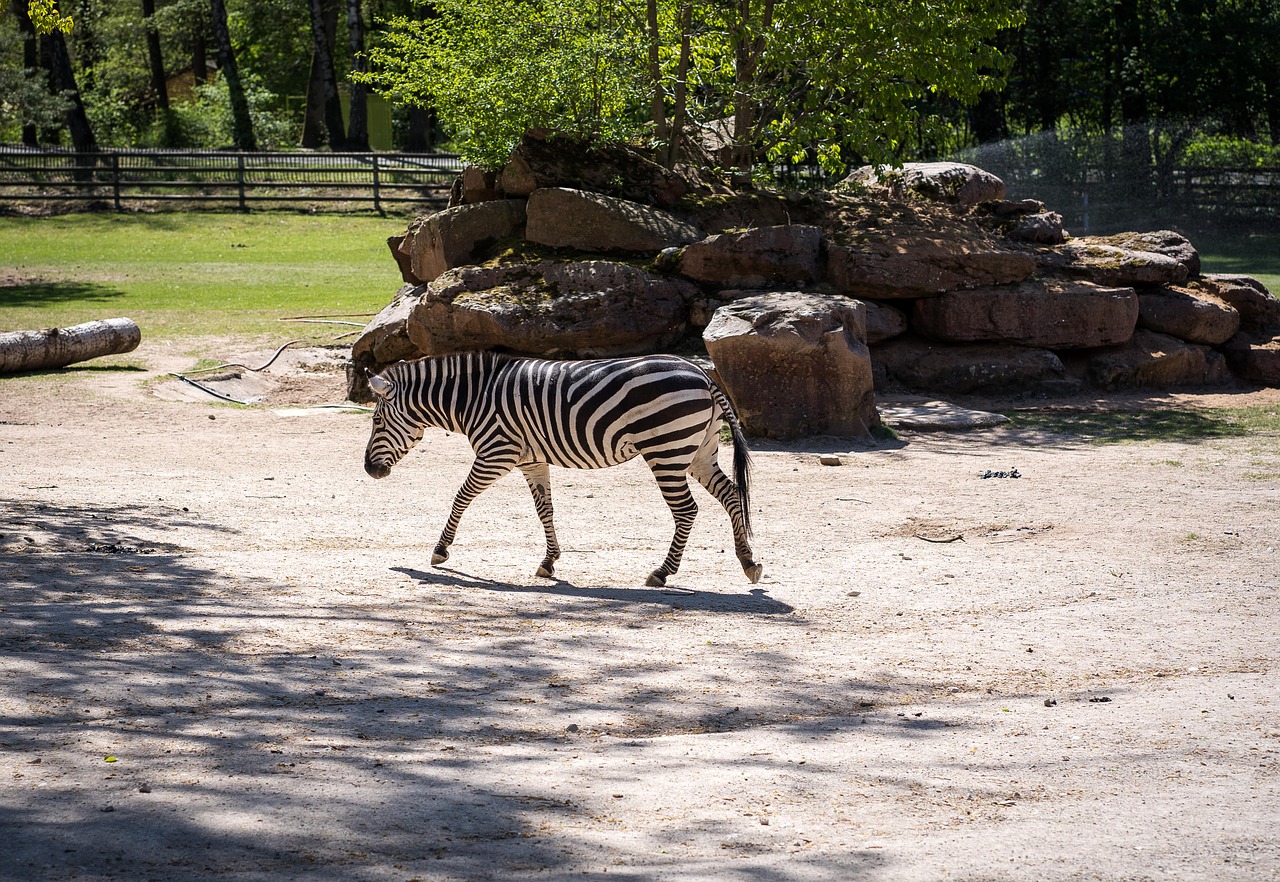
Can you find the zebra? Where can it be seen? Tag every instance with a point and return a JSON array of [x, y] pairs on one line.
[[530, 413]]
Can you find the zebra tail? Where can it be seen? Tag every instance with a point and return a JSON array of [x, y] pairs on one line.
[[741, 457]]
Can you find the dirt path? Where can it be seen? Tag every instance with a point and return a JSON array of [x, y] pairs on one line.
[[1075, 680]]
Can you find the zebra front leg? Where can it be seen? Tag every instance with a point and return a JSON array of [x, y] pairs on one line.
[[484, 471], [538, 476], [675, 490]]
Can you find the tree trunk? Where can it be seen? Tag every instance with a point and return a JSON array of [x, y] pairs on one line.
[[322, 68], [680, 113], [30, 61], [158, 83], [63, 79], [58, 347], [241, 122], [358, 116], [421, 125], [657, 98], [199, 60]]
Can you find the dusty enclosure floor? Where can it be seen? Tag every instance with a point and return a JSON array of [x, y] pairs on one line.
[[224, 654]]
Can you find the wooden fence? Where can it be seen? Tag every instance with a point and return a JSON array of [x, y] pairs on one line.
[[230, 178]]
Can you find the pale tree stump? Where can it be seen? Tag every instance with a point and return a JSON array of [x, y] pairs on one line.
[[59, 347]]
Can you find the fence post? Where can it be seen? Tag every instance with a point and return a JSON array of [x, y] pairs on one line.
[[377, 201], [115, 180], [240, 179]]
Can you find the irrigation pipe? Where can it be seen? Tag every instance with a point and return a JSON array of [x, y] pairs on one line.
[[270, 361]]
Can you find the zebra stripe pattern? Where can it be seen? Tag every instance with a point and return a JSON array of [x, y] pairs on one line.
[[529, 414]]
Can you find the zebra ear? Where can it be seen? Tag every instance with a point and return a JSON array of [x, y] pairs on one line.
[[381, 388]]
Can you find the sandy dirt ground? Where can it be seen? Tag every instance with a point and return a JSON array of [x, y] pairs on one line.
[[224, 654]]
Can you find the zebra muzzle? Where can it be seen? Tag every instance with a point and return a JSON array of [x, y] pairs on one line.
[[376, 470]]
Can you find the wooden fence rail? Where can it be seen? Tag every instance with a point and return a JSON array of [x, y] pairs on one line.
[[122, 176]]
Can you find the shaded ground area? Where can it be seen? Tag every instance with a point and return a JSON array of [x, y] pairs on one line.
[[1070, 674]]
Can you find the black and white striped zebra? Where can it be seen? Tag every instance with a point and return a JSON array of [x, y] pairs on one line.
[[529, 414]]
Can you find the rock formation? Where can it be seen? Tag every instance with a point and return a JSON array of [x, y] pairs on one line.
[[923, 278]]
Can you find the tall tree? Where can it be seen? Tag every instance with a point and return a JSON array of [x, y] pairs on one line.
[[241, 122], [62, 80], [357, 116], [323, 78], [30, 63], [159, 82]]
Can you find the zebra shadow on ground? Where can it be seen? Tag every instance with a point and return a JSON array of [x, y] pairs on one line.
[[755, 601]]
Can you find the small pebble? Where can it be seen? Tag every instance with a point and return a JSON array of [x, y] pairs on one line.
[[829, 459]]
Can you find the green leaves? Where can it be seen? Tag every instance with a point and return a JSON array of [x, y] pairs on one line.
[[838, 82], [46, 18]]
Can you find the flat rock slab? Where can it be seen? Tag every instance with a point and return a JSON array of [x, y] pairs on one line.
[[937, 416]]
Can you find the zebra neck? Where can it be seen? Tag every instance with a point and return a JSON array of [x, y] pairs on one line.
[[455, 390]]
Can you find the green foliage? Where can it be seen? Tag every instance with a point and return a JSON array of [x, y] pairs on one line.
[[497, 68], [24, 99], [802, 77], [46, 18], [1225, 151]]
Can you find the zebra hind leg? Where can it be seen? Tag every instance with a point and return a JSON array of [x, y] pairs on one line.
[[717, 483], [675, 490], [538, 477]]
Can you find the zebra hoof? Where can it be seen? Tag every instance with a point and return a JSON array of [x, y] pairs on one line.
[[438, 557], [656, 580], [753, 572], [547, 571]]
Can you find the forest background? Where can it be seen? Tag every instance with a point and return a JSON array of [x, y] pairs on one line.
[[1138, 87]]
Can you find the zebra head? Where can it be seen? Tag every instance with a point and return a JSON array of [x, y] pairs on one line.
[[394, 434]]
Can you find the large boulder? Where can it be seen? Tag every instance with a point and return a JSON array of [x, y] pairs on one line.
[[1254, 357], [884, 322], [1152, 360], [956, 183], [404, 262], [579, 309], [1191, 312], [1118, 267], [795, 364], [915, 364], [920, 266], [456, 236], [1259, 309], [567, 218], [384, 341], [1049, 314], [614, 170], [1165, 242], [757, 258], [1025, 221]]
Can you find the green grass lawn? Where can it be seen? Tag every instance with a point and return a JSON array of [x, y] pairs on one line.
[[179, 274]]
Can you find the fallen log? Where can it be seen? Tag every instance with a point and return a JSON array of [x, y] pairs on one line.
[[58, 347]]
